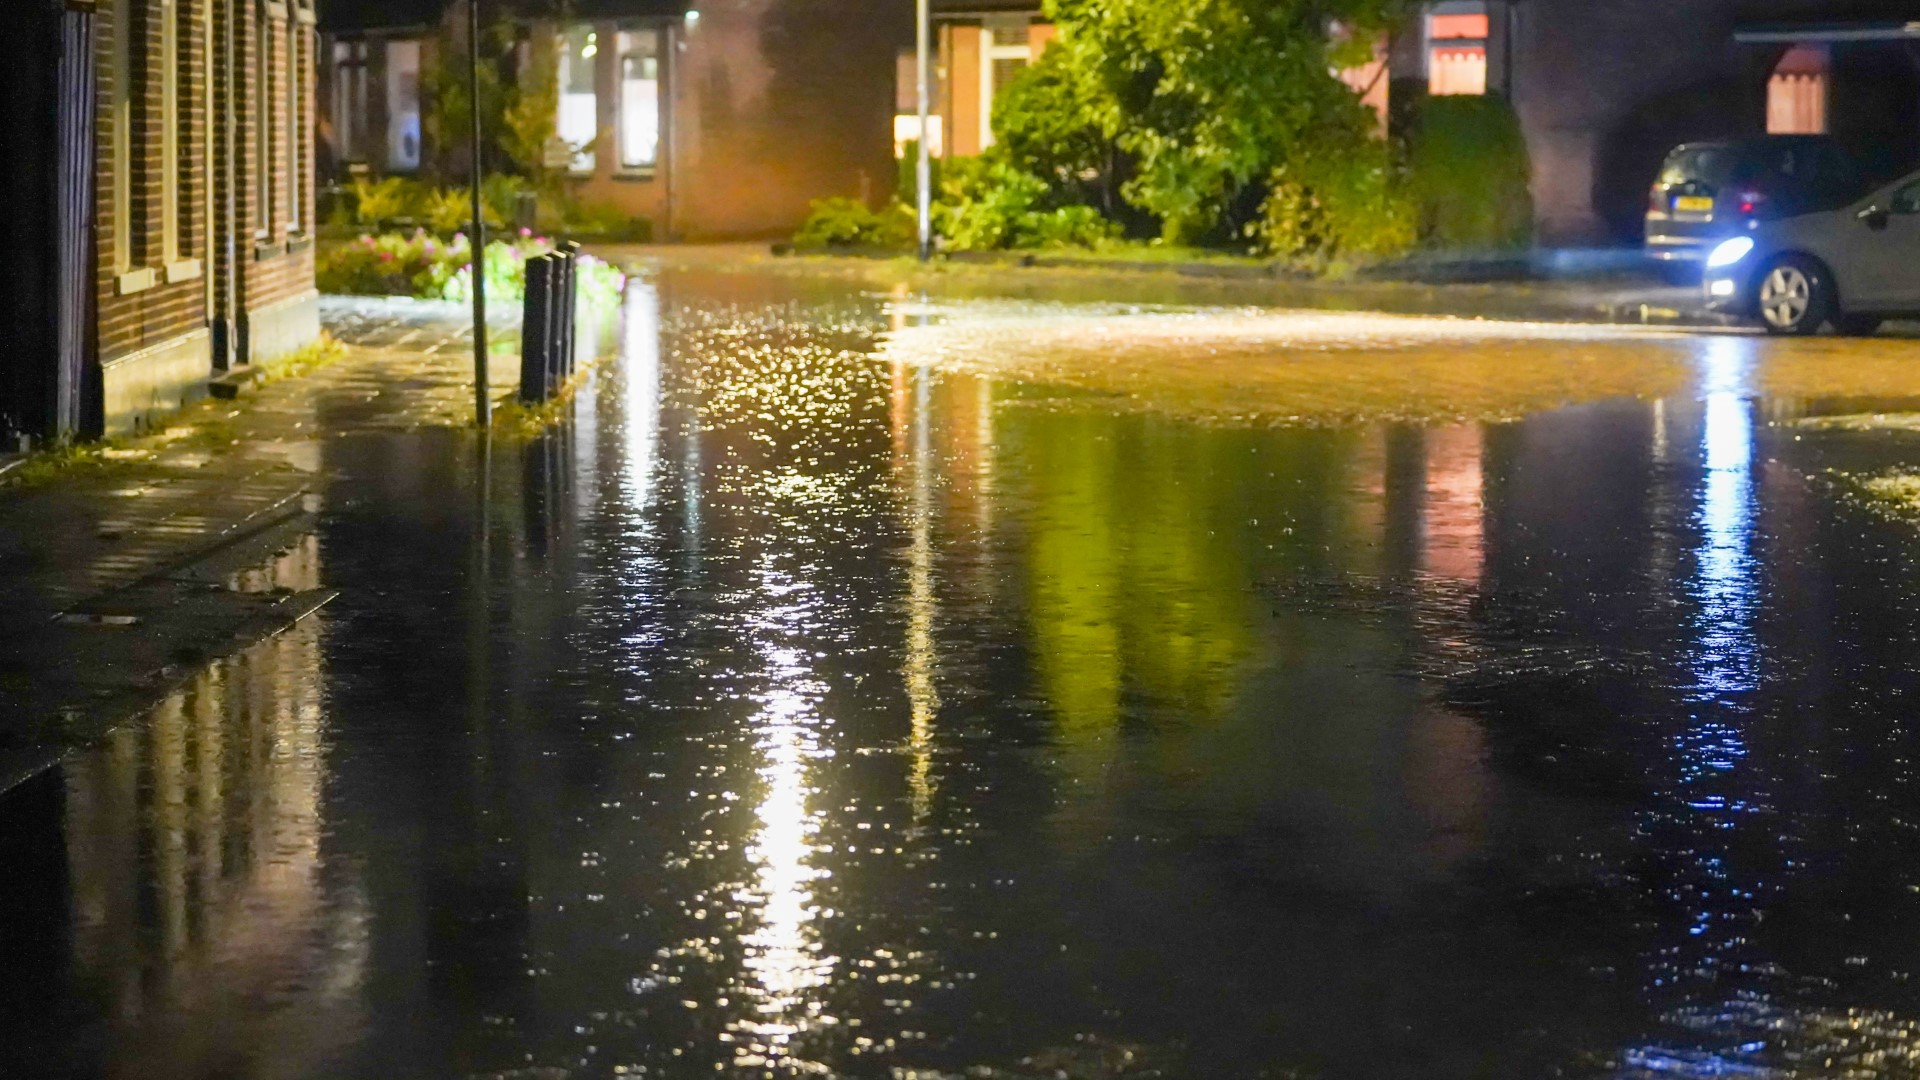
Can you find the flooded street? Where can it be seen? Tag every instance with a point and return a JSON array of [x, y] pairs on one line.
[[901, 684]]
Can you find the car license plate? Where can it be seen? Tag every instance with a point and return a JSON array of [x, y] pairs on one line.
[[1693, 204]]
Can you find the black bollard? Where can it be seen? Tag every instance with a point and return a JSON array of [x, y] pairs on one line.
[[572, 303], [559, 332], [536, 331]]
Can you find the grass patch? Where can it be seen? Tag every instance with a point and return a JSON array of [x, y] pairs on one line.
[[66, 462], [1861, 422], [203, 425], [323, 351], [515, 421]]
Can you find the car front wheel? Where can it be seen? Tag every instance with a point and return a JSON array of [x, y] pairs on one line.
[[1794, 296]]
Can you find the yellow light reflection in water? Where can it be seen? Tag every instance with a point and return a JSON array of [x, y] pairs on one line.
[[230, 934], [640, 391], [923, 698]]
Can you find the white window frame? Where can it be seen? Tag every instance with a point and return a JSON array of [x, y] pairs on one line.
[[587, 161], [659, 57], [989, 52]]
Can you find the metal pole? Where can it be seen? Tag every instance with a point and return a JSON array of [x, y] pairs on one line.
[[923, 168], [482, 407]]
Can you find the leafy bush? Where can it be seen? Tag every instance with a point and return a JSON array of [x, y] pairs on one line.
[[844, 222], [402, 201], [1468, 173], [392, 198], [1206, 97], [1044, 123], [1333, 202], [987, 203], [603, 221], [448, 210], [982, 202], [421, 265], [1069, 226]]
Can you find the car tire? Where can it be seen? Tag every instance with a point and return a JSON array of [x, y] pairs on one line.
[[1794, 296], [1858, 325]]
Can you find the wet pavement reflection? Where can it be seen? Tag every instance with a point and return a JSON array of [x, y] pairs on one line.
[[827, 697]]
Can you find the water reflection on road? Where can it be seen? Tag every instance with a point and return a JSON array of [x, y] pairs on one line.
[[824, 699]]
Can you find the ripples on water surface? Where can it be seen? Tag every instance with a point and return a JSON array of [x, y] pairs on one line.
[[825, 700]]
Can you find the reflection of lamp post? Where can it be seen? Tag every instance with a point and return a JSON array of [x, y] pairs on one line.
[[481, 410], [923, 168]]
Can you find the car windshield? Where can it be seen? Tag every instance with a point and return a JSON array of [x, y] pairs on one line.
[[1810, 170], [1712, 164]]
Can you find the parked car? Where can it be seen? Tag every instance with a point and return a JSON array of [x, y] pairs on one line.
[[1852, 267], [1709, 191]]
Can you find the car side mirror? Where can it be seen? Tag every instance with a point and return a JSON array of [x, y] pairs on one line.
[[1875, 216]]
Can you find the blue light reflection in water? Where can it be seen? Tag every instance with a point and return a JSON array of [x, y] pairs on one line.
[[1698, 823]]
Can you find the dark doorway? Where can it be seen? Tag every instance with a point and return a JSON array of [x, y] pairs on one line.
[[49, 84]]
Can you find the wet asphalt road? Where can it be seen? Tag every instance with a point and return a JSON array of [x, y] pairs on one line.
[[815, 705]]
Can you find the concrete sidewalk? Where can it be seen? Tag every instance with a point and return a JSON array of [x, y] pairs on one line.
[[124, 574]]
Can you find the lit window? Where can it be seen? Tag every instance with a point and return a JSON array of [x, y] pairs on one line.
[[579, 123], [403, 105], [1457, 49], [639, 99], [350, 99], [1797, 93]]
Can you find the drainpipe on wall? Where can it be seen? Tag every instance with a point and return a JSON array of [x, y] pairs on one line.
[[233, 350], [207, 232]]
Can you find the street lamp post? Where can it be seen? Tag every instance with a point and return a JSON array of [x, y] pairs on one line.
[[482, 407], [923, 167]]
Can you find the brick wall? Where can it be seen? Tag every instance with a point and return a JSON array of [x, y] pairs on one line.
[[153, 290]]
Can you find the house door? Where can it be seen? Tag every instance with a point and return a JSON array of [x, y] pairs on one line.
[[46, 283]]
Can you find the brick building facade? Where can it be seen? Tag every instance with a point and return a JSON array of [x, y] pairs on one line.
[[186, 248], [717, 120]]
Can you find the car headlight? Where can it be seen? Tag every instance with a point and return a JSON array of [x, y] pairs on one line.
[[1730, 252]]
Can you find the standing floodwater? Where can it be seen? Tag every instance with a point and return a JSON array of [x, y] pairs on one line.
[[877, 685]]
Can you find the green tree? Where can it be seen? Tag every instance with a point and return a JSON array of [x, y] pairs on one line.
[[1469, 173], [448, 117], [1046, 123], [1207, 97]]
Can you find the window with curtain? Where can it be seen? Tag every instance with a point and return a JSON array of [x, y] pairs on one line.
[[579, 121], [639, 99], [1457, 49], [1797, 93]]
